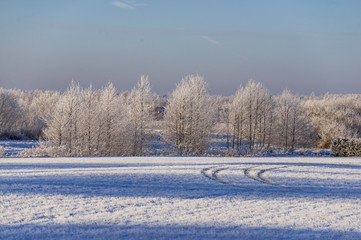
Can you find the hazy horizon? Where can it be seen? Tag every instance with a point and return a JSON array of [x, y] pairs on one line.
[[305, 46]]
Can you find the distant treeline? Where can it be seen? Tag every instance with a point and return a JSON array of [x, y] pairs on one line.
[[105, 122]]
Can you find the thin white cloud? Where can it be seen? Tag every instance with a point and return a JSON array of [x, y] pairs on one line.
[[215, 42], [135, 3], [122, 5], [128, 4], [141, 4]]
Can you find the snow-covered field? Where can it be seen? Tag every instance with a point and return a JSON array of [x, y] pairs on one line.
[[13, 147], [180, 198]]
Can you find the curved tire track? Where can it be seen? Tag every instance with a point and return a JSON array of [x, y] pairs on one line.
[[259, 177], [215, 176], [214, 172]]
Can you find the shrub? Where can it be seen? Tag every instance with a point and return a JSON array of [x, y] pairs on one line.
[[44, 149], [2, 151], [346, 147]]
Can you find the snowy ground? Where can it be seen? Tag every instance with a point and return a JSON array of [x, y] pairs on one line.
[[13, 147], [180, 198]]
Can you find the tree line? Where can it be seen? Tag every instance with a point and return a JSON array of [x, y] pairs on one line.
[[104, 122]]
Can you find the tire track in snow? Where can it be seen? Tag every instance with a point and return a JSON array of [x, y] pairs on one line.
[[260, 177], [214, 175], [205, 170], [266, 181]]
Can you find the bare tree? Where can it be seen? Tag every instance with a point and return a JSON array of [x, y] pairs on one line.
[[9, 112], [225, 122], [89, 117], [140, 107], [293, 124], [108, 124], [237, 118], [189, 116], [63, 125], [255, 100]]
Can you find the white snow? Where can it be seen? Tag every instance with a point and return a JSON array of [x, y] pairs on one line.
[[180, 198], [13, 147]]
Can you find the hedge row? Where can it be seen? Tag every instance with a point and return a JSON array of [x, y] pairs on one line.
[[346, 147]]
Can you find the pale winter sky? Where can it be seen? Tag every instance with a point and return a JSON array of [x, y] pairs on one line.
[[303, 45]]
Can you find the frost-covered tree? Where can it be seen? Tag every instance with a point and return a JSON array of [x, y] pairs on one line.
[[189, 116], [63, 124], [140, 106], [43, 106], [224, 121], [335, 116], [9, 112], [251, 117], [89, 118], [293, 124], [237, 118], [256, 100], [31, 122], [108, 124], [269, 117]]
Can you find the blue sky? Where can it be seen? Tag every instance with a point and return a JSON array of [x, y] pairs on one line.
[[304, 45]]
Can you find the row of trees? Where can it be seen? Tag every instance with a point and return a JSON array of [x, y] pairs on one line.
[[20, 112], [100, 122], [257, 120], [334, 116], [89, 122]]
